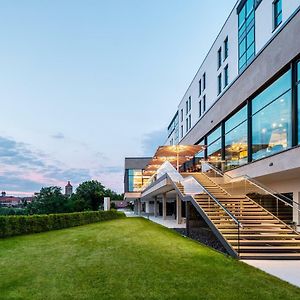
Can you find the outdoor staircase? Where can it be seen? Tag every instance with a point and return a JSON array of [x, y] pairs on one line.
[[261, 234]]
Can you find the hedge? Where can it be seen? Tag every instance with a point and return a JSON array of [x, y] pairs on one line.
[[18, 225]]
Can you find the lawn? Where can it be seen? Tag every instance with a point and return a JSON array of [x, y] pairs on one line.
[[127, 259]]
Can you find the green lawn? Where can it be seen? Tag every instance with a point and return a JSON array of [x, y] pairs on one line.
[[127, 259]]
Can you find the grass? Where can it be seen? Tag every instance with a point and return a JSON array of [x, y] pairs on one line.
[[127, 259]]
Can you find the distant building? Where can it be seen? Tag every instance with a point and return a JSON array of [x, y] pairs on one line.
[[68, 189], [10, 201]]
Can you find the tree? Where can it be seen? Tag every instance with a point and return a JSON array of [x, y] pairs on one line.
[[113, 195], [92, 192], [49, 200]]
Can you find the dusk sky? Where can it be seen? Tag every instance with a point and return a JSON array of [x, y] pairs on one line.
[[85, 83]]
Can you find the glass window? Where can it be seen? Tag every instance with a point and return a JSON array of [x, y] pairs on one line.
[[236, 146], [204, 103], [298, 103], [200, 108], [190, 102], [220, 83], [214, 135], [277, 12], [272, 119], [204, 81], [201, 154], [236, 139], [246, 34], [236, 119], [186, 125], [190, 121], [219, 57], [200, 89], [279, 87], [226, 76], [181, 115], [181, 131], [226, 48], [214, 151], [186, 107], [135, 180]]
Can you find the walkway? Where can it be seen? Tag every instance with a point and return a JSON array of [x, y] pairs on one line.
[[288, 270], [170, 222]]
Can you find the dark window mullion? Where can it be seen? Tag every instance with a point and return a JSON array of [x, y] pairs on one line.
[[295, 117]]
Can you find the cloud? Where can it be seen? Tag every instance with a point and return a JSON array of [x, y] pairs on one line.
[[26, 170], [58, 136], [152, 140]]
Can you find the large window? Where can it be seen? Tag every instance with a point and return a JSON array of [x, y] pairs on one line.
[[298, 102], [246, 34], [236, 147], [272, 119], [277, 13], [135, 180], [214, 145]]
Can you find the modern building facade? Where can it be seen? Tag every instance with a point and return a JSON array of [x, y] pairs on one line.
[[243, 105]]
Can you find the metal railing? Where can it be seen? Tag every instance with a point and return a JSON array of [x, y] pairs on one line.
[[279, 205]]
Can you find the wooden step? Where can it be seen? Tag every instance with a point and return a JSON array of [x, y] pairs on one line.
[[269, 248], [264, 242], [270, 256]]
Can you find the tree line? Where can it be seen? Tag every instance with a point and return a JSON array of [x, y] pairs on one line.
[[89, 196]]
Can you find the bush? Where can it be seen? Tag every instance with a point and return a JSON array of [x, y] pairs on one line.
[[18, 225]]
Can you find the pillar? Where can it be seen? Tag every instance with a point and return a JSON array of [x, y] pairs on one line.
[[178, 210], [187, 215], [296, 213], [139, 204], [155, 207], [164, 206]]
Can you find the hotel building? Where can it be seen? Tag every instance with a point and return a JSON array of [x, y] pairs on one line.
[[242, 109]]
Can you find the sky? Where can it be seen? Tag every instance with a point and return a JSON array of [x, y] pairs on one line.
[[86, 83]]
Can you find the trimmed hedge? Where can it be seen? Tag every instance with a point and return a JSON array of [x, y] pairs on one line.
[[18, 225]]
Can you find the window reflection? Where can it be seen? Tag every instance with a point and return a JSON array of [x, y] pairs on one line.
[[135, 180], [214, 145], [272, 128], [299, 103]]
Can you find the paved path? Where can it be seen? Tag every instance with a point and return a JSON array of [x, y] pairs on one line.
[[288, 270]]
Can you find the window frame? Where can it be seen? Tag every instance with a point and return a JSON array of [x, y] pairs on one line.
[[276, 14]]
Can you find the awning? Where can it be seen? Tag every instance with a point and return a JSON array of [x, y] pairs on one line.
[[176, 155]]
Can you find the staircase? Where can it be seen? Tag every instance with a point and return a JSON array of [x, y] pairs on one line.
[[261, 236]]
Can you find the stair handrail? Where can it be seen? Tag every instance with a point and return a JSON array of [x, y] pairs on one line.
[[269, 191], [222, 206]]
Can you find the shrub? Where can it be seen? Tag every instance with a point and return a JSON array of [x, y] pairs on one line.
[[18, 225]]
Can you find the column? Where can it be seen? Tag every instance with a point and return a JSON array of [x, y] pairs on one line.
[[139, 207], [155, 206], [187, 215], [296, 213], [178, 210], [164, 203]]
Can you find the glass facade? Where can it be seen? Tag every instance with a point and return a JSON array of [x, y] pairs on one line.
[[246, 34], [236, 139], [214, 148], [272, 119], [277, 13], [298, 70], [269, 128], [135, 180]]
